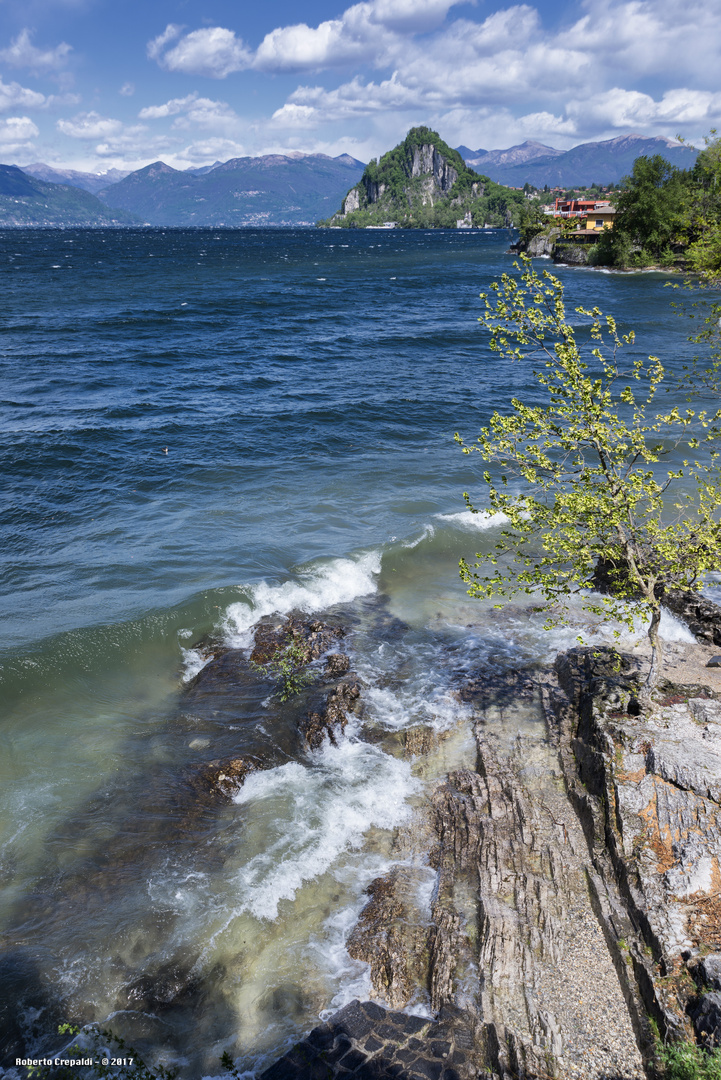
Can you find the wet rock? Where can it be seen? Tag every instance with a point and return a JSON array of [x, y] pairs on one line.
[[336, 664], [170, 986], [228, 673], [389, 937], [314, 636], [332, 717], [701, 615], [225, 778]]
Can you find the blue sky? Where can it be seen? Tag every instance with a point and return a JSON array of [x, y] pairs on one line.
[[91, 84]]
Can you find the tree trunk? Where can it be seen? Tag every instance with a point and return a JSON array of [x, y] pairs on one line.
[[656, 654]]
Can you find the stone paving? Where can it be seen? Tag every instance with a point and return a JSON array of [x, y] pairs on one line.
[[368, 1042]]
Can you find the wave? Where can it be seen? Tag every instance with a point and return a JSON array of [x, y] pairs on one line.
[[314, 814], [474, 520], [321, 586]]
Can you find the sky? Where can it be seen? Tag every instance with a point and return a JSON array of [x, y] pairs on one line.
[[96, 85]]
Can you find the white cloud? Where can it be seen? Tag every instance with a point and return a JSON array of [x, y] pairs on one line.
[[14, 96], [295, 116], [647, 37], [127, 89], [22, 53], [89, 125], [630, 109], [193, 110], [170, 108], [17, 133], [215, 52], [210, 150], [156, 46]]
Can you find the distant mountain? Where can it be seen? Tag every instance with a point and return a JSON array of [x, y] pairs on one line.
[[201, 170], [594, 162], [276, 189], [530, 150], [92, 182], [467, 153], [27, 201]]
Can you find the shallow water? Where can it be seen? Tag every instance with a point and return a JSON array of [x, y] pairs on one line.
[[201, 428]]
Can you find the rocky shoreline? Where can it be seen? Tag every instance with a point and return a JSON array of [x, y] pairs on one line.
[[577, 904], [552, 906]]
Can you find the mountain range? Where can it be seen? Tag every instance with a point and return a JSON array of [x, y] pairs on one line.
[[605, 162], [276, 189], [284, 189], [24, 201]]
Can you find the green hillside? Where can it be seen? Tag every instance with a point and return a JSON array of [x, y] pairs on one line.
[[26, 201], [423, 183]]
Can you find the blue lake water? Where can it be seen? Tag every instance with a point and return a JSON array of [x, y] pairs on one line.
[[200, 428]]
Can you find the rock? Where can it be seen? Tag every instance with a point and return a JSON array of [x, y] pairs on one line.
[[351, 201], [542, 244], [315, 636], [333, 717], [715, 661], [701, 615], [336, 664], [649, 793], [706, 1016], [224, 778], [710, 968], [571, 254], [390, 938], [171, 985]]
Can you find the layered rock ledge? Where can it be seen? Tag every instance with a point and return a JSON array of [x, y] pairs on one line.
[[576, 905]]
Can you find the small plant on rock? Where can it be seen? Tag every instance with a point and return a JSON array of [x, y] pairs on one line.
[[686, 1061], [289, 668]]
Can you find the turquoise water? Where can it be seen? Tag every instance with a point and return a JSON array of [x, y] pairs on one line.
[[200, 428]]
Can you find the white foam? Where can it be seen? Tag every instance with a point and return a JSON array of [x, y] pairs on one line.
[[193, 662], [474, 520], [673, 629], [434, 706], [427, 534], [316, 813], [321, 586]]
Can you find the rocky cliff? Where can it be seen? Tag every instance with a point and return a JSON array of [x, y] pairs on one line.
[[423, 183]]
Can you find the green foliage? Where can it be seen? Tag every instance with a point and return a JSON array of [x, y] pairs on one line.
[[686, 1061], [288, 668], [111, 1057], [389, 192], [581, 475], [668, 216], [532, 220]]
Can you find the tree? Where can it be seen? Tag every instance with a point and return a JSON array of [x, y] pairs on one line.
[[583, 475], [652, 211], [704, 254]]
